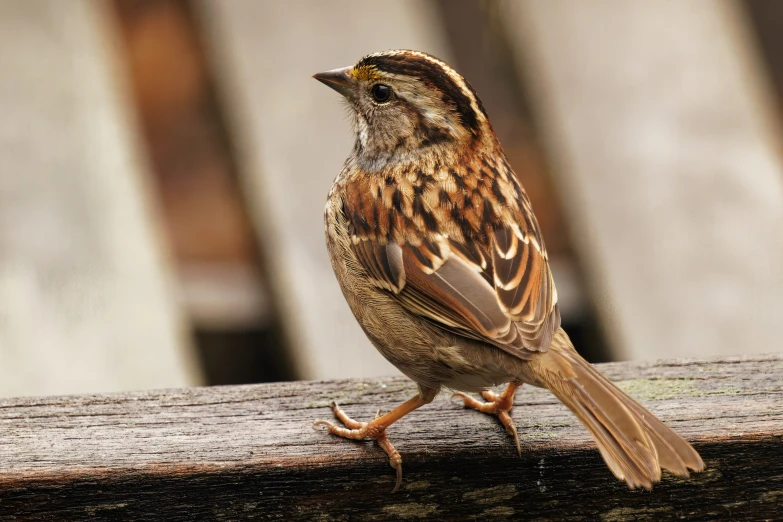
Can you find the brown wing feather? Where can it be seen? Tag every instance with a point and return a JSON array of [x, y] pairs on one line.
[[463, 292], [470, 260], [524, 286], [382, 262]]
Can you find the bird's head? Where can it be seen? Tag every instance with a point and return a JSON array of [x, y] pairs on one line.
[[407, 103]]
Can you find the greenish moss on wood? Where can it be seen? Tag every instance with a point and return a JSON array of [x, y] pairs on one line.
[[499, 511], [411, 510], [622, 514], [665, 389], [492, 495], [418, 485]]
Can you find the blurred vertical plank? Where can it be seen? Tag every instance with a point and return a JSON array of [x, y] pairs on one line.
[[657, 120], [85, 304], [292, 138], [212, 241]]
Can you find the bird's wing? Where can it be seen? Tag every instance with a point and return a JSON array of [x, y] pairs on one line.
[[472, 263]]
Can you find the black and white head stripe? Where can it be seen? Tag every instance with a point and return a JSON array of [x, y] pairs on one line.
[[437, 74]]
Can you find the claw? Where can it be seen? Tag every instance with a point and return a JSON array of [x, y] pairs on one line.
[[511, 429], [395, 460], [397, 467], [498, 405], [359, 430], [489, 395], [464, 398]]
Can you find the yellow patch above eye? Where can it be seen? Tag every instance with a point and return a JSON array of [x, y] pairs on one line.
[[365, 73]]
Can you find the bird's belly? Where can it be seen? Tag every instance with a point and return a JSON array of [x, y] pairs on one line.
[[427, 354], [472, 366]]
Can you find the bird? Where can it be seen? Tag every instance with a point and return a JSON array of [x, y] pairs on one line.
[[440, 258]]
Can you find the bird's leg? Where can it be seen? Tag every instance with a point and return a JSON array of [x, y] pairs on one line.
[[499, 405], [376, 428]]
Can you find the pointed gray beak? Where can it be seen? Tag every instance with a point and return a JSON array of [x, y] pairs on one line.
[[337, 79]]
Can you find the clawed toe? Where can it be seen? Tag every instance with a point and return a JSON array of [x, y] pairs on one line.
[[464, 398], [511, 428], [498, 405], [359, 430], [328, 425], [395, 459], [470, 402], [489, 395]]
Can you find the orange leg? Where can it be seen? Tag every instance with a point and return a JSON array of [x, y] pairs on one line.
[[376, 428], [499, 405]]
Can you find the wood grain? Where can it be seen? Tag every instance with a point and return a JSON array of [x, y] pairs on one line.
[[250, 452]]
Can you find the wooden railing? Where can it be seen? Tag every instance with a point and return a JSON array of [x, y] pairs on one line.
[[250, 451]]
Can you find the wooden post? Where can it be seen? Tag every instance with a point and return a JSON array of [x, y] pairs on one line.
[[292, 140], [84, 297], [658, 126], [243, 452]]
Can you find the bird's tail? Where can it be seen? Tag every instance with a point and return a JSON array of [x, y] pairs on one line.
[[633, 442]]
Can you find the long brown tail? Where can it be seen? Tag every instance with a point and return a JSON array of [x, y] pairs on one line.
[[632, 441]]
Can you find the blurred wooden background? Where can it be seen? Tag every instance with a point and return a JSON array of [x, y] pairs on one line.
[[164, 165]]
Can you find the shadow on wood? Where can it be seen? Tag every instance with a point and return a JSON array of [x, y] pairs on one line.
[[250, 451]]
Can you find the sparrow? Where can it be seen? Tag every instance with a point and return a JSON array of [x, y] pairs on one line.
[[437, 251]]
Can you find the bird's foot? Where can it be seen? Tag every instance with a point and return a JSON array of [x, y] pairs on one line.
[[359, 430], [499, 405]]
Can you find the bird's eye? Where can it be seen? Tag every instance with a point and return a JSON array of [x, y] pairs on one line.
[[381, 93]]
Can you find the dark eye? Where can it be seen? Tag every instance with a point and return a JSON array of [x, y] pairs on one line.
[[380, 92]]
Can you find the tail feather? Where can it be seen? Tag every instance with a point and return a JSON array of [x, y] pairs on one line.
[[632, 441], [674, 453]]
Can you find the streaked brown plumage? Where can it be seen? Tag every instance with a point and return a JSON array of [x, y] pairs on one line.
[[438, 253]]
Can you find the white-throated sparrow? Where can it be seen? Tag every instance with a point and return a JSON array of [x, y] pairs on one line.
[[438, 253]]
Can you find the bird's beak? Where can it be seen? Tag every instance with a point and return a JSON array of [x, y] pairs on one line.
[[337, 79]]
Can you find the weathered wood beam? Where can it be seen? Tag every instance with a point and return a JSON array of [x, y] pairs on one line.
[[250, 451]]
